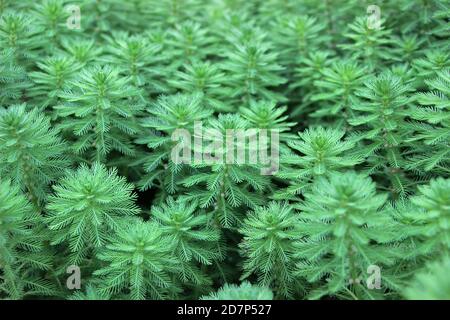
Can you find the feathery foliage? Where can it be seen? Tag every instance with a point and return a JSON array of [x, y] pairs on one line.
[[100, 111], [382, 108], [245, 291], [433, 127], [431, 284], [338, 85], [21, 247], [86, 206], [13, 78], [196, 242], [287, 149], [32, 153], [268, 246], [345, 232], [169, 114], [322, 152], [433, 222], [139, 261], [227, 186]]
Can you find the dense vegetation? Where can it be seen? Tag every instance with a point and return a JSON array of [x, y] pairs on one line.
[[358, 91]]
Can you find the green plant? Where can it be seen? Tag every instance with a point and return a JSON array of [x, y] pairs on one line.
[[31, 151], [344, 232], [254, 70], [245, 291], [226, 185], [368, 43], [50, 19], [309, 70], [433, 62], [137, 58], [21, 247], [287, 149], [297, 36], [206, 79], [83, 51], [52, 79], [433, 221], [268, 247], [433, 126], [266, 115], [17, 35], [86, 206], [338, 87], [322, 152], [196, 242], [138, 259], [188, 42], [171, 113], [100, 110], [91, 293], [430, 284], [382, 107], [13, 78]]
